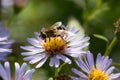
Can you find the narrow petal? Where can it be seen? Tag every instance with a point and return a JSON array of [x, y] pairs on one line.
[[17, 69], [32, 48], [7, 68], [32, 57], [64, 58], [38, 58], [3, 72], [110, 70], [42, 62], [34, 42], [99, 57], [23, 69], [29, 53], [114, 76], [90, 60], [5, 50], [79, 73], [82, 65], [52, 61], [3, 38], [28, 74]]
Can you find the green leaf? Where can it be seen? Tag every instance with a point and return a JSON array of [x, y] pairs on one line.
[[101, 37]]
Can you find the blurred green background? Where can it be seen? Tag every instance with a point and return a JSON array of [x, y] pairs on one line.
[[90, 16]]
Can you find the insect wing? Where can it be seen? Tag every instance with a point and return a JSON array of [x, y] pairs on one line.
[[57, 24]]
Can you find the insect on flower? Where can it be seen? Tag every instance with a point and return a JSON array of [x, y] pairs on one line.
[[57, 42], [56, 30]]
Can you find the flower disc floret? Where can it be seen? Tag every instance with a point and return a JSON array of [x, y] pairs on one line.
[[54, 45], [97, 75]]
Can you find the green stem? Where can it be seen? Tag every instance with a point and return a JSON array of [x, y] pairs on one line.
[[110, 46], [57, 70], [86, 12], [86, 5]]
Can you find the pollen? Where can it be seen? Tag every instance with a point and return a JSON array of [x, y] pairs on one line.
[[54, 45], [97, 75]]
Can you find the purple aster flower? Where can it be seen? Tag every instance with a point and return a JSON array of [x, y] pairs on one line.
[[100, 70], [20, 72], [5, 43], [57, 43]]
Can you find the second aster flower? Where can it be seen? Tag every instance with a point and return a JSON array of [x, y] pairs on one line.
[[57, 42], [100, 70], [20, 72]]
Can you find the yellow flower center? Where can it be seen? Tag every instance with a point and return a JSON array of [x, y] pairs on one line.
[[97, 75], [54, 45]]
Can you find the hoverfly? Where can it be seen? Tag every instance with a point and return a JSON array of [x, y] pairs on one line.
[[56, 30]]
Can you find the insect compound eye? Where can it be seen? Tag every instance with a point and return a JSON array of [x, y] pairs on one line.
[[43, 35]]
